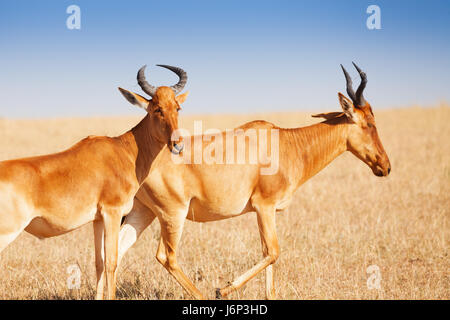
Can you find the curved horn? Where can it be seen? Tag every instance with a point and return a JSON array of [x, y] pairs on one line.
[[359, 93], [350, 91], [180, 73], [145, 86]]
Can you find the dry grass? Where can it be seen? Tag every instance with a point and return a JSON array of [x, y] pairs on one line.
[[340, 222]]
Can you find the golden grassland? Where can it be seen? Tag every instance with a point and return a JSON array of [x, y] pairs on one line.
[[340, 222]]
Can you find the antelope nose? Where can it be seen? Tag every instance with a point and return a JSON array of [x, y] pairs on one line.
[[389, 170], [179, 146]]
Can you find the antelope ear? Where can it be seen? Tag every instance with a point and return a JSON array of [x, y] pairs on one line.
[[182, 97], [328, 115], [347, 107], [134, 98]]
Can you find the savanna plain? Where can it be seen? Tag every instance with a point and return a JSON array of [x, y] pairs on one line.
[[340, 222]]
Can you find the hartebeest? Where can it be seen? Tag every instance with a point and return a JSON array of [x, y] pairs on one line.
[[207, 192], [95, 180]]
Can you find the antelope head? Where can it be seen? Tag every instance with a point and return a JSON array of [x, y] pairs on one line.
[[363, 140], [163, 106]]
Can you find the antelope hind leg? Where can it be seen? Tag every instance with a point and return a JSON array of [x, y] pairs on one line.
[[135, 223], [166, 255]]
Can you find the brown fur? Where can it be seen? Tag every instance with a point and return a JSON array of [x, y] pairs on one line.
[[208, 192], [95, 180]]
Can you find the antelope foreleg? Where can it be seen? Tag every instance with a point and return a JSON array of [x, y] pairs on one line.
[[99, 258], [267, 230], [111, 222]]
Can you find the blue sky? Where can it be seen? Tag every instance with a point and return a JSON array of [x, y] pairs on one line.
[[241, 56]]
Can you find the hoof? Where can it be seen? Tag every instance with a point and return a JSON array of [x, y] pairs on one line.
[[218, 294]]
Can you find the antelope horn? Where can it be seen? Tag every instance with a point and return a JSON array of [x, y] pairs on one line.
[[350, 91], [359, 93], [146, 87], [180, 73]]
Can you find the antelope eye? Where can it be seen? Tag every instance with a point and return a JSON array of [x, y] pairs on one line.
[[158, 110], [370, 125]]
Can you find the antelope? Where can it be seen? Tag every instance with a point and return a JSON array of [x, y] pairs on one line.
[[93, 181], [208, 192]]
